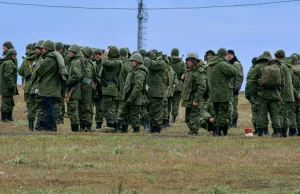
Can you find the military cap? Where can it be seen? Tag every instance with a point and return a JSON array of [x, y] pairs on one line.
[[39, 44], [267, 53], [11, 52], [114, 52], [151, 54], [231, 52], [294, 59]]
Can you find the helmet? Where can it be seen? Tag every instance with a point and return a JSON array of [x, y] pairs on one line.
[[137, 57], [39, 44], [29, 46], [74, 48], [123, 52], [114, 52], [59, 46], [11, 52], [294, 59], [192, 56], [49, 44], [128, 51], [87, 51], [222, 52], [143, 52], [98, 51], [175, 52]]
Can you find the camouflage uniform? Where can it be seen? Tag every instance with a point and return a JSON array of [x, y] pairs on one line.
[[296, 84]]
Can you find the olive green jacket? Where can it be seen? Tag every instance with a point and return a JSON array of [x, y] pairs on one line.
[[248, 84], [26, 70], [157, 78], [34, 78], [49, 84], [237, 81], [219, 74], [8, 77], [296, 79], [135, 85], [147, 62], [194, 86], [111, 69], [126, 67], [180, 68], [288, 92], [172, 83], [75, 69]]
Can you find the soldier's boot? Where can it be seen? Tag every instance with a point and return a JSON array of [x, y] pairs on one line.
[[31, 125], [99, 125], [173, 118], [276, 133], [284, 132], [219, 131], [292, 132], [234, 123], [255, 130], [260, 132], [299, 132], [124, 129], [165, 124], [9, 117], [158, 129], [266, 131], [225, 130], [215, 130], [82, 127], [136, 129], [74, 127], [4, 117], [88, 127]]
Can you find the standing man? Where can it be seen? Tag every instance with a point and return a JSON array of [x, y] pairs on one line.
[[235, 85], [295, 123], [49, 84], [219, 74], [194, 87], [133, 94], [8, 84], [179, 67]]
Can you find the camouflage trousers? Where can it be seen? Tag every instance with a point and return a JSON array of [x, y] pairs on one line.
[[144, 114], [72, 111], [254, 116], [223, 114], [99, 110], [264, 107], [175, 103], [108, 109], [129, 115], [30, 103], [192, 118], [287, 115], [117, 107], [297, 114], [156, 111], [39, 112], [7, 104], [235, 102], [167, 108], [85, 108], [58, 110]]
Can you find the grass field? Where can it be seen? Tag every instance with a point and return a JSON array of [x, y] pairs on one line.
[[170, 162]]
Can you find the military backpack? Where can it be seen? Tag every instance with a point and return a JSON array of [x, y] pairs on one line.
[[271, 75]]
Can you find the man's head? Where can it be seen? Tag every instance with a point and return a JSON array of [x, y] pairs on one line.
[[192, 60], [87, 52], [280, 54], [38, 46], [28, 48], [136, 59], [73, 50], [48, 46], [12, 53], [123, 52], [222, 52], [230, 55], [59, 47], [98, 54], [175, 52], [7, 45], [208, 54]]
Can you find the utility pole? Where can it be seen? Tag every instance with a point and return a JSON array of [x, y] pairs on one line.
[[142, 18]]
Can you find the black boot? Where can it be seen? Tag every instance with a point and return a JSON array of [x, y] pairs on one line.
[[284, 132], [124, 129], [276, 133], [255, 130], [219, 131], [31, 125], [136, 129], [88, 127], [165, 123], [74, 127], [99, 125], [234, 123], [299, 132], [260, 132], [173, 118], [292, 132], [266, 131], [215, 130], [9, 117], [225, 130], [4, 117], [158, 129], [82, 127]]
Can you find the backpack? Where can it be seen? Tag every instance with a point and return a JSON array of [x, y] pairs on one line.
[[271, 75]]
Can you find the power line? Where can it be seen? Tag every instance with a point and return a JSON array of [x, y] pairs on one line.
[[149, 9]]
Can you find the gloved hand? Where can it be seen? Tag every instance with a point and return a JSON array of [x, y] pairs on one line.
[[235, 92]]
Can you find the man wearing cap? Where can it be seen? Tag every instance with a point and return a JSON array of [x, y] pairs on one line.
[[8, 84], [126, 67], [49, 84], [179, 67], [219, 74], [134, 89], [235, 85]]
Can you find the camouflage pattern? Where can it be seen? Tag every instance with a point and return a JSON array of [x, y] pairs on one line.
[[7, 104], [73, 112], [192, 118], [156, 111]]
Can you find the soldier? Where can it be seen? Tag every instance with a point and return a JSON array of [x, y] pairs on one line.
[[133, 94], [49, 84], [88, 86], [194, 87], [157, 82], [179, 67], [207, 56], [111, 66], [97, 97], [173, 81], [8, 84], [287, 108], [207, 116], [219, 74], [235, 84], [28, 50], [126, 67], [34, 99], [267, 95], [6, 46], [26, 70], [73, 83], [295, 122]]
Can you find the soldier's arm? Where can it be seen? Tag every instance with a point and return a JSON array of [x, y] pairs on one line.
[[156, 66], [8, 75], [138, 86], [21, 69], [239, 77], [201, 87], [110, 64], [76, 75], [45, 66], [253, 82], [229, 70]]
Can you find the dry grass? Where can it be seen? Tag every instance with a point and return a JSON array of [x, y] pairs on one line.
[[170, 162]]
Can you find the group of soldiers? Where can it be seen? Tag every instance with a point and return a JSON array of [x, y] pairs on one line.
[[145, 88]]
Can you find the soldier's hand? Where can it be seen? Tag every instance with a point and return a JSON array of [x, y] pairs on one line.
[[182, 77], [195, 103], [298, 96], [211, 120]]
